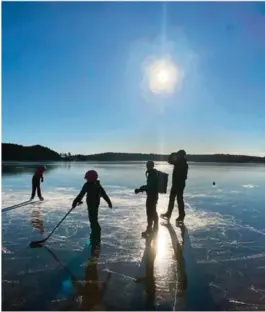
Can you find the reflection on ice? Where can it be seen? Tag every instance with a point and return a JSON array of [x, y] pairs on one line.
[[161, 245], [36, 220]]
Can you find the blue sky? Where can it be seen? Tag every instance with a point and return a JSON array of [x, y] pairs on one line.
[[72, 76]]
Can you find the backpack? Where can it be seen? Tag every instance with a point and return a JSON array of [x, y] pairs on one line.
[[162, 182]]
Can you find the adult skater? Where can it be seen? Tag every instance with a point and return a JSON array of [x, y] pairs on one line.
[[179, 177]]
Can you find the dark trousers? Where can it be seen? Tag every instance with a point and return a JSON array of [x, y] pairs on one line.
[[93, 219], [176, 191], [36, 187], [152, 217]]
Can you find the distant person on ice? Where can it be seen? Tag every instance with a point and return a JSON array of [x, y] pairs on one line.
[[94, 191], [179, 178], [36, 179], [151, 189]]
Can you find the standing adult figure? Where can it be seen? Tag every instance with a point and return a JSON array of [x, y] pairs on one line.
[[179, 177]]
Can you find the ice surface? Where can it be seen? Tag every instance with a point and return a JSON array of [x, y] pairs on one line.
[[215, 262]]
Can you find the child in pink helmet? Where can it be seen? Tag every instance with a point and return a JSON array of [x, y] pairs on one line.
[[93, 189]]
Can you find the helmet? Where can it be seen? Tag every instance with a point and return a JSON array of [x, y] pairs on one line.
[[41, 169], [91, 176]]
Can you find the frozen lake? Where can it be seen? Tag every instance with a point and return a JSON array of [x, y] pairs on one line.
[[215, 262]]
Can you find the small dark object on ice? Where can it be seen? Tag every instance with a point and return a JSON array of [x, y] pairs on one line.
[[213, 183]]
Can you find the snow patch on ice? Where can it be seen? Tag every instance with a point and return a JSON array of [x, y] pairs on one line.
[[250, 186]]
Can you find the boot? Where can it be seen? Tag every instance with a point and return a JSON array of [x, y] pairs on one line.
[[41, 198], [146, 233], [180, 219], [165, 216]]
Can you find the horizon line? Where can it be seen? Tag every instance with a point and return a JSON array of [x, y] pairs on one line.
[[150, 153]]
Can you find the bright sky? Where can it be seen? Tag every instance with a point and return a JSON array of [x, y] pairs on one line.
[[134, 77]]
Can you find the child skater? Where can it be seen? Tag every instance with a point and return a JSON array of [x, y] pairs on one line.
[[36, 179], [151, 189]]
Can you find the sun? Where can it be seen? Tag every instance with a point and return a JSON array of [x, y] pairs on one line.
[[163, 76]]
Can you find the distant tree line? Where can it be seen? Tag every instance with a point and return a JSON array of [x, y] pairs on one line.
[[66, 156], [156, 157], [14, 152]]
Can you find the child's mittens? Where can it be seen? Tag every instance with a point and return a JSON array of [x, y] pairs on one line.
[[76, 204]]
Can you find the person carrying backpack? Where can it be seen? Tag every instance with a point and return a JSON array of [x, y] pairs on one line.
[[151, 189]]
